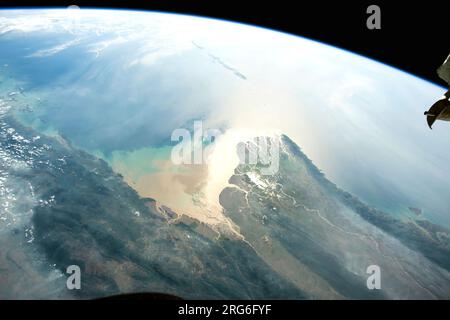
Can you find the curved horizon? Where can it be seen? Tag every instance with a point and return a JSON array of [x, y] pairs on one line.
[[286, 33]]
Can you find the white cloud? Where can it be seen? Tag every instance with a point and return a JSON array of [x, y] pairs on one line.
[[56, 49]]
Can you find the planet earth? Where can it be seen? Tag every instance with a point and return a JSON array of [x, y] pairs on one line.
[[105, 119]]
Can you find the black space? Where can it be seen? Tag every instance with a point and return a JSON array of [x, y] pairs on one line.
[[414, 36]]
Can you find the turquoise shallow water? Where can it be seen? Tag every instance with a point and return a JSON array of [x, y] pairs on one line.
[[116, 84], [119, 93]]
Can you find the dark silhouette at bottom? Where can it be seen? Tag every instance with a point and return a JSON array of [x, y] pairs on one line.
[[142, 296]]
